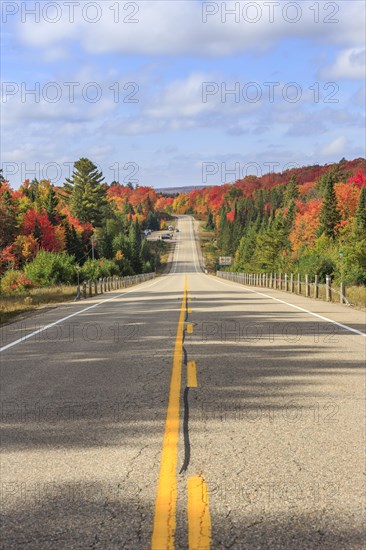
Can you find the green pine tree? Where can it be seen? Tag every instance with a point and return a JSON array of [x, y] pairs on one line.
[[246, 249], [292, 190], [329, 214], [210, 221], [134, 237], [37, 232], [87, 193], [51, 203], [291, 213], [273, 246], [361, 213]]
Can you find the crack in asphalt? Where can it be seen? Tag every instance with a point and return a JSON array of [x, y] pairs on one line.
[[187, 444]]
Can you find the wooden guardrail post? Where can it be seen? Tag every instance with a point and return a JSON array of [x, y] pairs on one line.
[[292, 284], [95, 286], [307, 286], [90, 288], [286, 282], [316, 286], [280, 281], [84, 289], [298, 283], [342, 292], [328, 290], [105, 284]]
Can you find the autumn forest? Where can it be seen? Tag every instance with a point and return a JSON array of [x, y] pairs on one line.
[[307, 220]]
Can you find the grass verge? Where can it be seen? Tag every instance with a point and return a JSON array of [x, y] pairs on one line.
[[14, 305]]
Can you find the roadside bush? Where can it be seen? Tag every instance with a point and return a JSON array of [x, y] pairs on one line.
[[147, 267], [50, 268], [15, 281], [93, 269]]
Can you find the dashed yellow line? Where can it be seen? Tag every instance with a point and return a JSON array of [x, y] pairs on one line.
[[189, 328], [199, 519], [165, 505], [191, 374]]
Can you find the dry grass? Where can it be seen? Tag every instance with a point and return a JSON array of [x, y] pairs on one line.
[[13, 305], [356, 295], [165, 254]]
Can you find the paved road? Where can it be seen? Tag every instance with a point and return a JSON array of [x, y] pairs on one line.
[[186, 412]]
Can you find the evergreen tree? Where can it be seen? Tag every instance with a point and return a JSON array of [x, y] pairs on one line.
[[361, 213], [291, 214], [273, 246], [210, 221], [8, 216], [225, 232], [87, 193], [37, 232], [134, 238], [74, 245], [246, 249], [292, 190], [329, 214], [152, 221], [236, 230], [51, 203]]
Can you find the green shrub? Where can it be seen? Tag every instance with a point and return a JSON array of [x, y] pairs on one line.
[[50, 268], [94, 269], [147, 267], [90, 270]]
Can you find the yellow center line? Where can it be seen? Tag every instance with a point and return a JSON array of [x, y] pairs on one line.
[[191, 374], [165, 505], [189, 328], [199, 519]]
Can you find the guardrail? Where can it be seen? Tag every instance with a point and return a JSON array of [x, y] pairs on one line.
[[298, 284], [95, 287]]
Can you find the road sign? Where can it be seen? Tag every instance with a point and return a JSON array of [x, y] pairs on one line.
[[225, 260]]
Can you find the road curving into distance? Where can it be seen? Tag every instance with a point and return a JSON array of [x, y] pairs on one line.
[[185, 412]]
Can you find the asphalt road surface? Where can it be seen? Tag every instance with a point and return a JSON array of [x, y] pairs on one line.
[[185, 412]]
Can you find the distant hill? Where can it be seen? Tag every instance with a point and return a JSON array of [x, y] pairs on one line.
[[174, 190]]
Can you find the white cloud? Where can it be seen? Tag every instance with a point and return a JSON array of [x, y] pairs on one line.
[[177, 27], [350, 63], [335, 147]]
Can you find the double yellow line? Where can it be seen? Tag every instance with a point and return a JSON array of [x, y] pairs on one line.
[[199, 522]]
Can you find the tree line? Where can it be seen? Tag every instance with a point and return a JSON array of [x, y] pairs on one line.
[[48, 232]]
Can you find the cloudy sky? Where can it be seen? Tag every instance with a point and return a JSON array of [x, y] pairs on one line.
[[171, 93]]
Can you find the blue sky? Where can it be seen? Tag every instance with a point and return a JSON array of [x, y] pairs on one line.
[[312, 54]]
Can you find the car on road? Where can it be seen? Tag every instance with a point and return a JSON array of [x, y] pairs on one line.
[[166, 236]]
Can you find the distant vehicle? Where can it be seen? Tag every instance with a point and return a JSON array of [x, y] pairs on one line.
[[170, 228], [166, 236], [177, 230]]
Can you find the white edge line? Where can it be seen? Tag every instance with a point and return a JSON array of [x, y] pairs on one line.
[[346, 327], [20, 340]]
